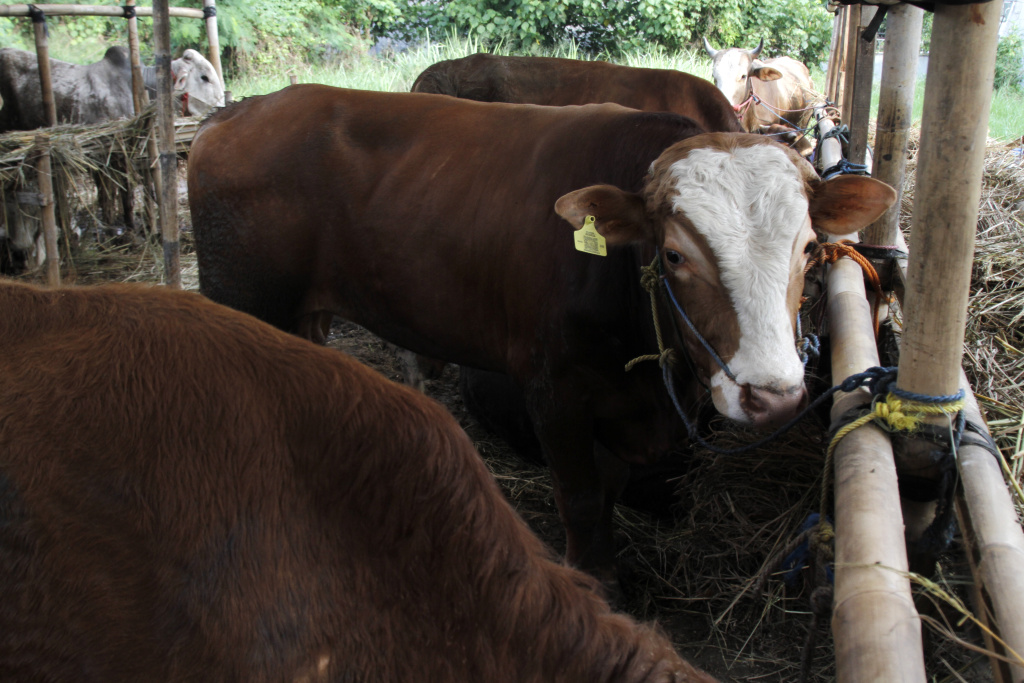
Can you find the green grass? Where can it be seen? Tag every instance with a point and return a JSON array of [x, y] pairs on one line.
[[1005, 121]]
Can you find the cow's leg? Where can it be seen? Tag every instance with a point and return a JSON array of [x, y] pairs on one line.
[[127, 191], [584, 483], [417, 369]]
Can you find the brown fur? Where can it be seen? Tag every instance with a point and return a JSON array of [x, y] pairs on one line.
[[558, 82], [189, 494]]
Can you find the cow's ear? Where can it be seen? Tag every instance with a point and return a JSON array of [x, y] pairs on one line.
[[849, 203], [762, 72], [619, 216]]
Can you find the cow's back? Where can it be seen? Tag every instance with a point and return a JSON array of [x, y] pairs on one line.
[[554, 81], [189, 494], [82, 94], [359, 198]]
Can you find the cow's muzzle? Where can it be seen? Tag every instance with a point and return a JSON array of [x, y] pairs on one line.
[[769, 408]]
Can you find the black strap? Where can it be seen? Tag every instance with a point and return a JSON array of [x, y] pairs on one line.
[[129, 11], [38, 16], [209, 12]]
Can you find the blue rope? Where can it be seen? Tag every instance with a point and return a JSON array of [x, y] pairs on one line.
[[698, 335]]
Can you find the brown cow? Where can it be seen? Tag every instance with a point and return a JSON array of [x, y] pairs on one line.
[[558, 82], [432, 221], [763, 92], [188, 494]]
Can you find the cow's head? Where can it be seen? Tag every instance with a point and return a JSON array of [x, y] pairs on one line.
[[732, 217], [197, 83], [732, 68]]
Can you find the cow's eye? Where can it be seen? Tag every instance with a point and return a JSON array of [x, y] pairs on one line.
[[743, 77], [205, 78], [674, 257], [811, 246]]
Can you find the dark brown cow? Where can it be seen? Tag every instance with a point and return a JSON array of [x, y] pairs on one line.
[[783, 87], [559, 82], [188, 494], [439, 224]]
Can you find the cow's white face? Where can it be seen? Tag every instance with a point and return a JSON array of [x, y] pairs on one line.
[[195, 77], [731, 73], [732, 215], [749, 205]]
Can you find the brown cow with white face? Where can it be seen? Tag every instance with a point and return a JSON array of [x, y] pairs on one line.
[[439, 224], [763, 92]]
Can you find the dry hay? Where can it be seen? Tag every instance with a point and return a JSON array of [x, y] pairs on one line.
[[699, 575]]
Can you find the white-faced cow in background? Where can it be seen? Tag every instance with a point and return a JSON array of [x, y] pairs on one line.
[[94, 93], [763, 92]]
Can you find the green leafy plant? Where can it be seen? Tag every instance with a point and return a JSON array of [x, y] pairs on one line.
[[1009, 62]]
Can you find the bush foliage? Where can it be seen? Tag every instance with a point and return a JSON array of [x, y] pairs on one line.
[[266, 34]]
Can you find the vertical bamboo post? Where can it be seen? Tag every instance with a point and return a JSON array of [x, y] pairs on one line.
[[958, 96], [849, 74], [44, 173], [43, 57], [212, 36], [139, 96], [876, 626], [835, 55], [895, 112], [859, 116], [168, 197]]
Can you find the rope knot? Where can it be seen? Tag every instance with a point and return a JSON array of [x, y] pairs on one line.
[[649, 278]]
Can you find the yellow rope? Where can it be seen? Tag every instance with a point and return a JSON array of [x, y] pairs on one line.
[[649, 279], [894, 414]]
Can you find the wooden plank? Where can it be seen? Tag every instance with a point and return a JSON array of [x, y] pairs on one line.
[[859, 114], [168, 198]]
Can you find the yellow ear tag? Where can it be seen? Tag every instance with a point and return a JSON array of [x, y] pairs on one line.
[[589, 240]]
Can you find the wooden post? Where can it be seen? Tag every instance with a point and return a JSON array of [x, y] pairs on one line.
[[895, 113], [43, 56], [950, 162], [49, 218], [212, 36], [835, 56], [859, 114], [876, 626], [139, 96], [165, 140], [845, 99]]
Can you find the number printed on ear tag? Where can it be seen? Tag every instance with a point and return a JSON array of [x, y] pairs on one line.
[[589, 240]]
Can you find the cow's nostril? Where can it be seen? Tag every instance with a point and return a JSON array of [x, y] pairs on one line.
[[770, 409]]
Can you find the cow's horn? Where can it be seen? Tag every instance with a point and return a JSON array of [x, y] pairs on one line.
[[710, 50], [757, 50]]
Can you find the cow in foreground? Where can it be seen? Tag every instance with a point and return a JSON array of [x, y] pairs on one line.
[[558, 82], [94, 93], [446, 227], [189, 494], [763, 92]]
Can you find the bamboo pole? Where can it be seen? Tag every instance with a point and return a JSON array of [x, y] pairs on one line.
[[43, 58], [165, 139], [849, 73], [895, 113], [831, 151], [49, 218], [958, 95], [139, 97], [997, 534], [837, 58], [876, 627], [859, 116], [93, 11], [212, 36]]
